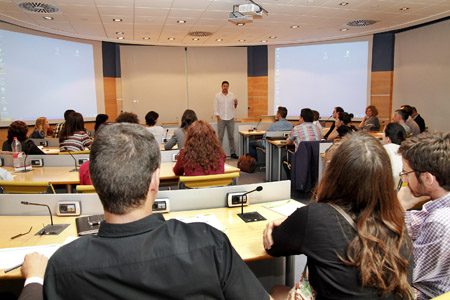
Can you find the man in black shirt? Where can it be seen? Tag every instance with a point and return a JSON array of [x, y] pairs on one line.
[[137, 254]]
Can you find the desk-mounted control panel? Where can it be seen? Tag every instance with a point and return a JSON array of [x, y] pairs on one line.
[[68, 208], [236, 199], [161, 205]]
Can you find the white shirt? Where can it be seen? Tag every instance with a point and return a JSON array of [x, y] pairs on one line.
[[317, 123], [396, 160], [224, 106], [158, 132]]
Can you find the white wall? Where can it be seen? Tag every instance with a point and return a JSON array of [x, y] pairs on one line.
[[422, 73]]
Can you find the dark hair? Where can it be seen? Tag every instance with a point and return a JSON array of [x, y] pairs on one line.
[[403, 114], [99, 120], [408, 109], [74, 123], [188, 118], [151, 117], [67, 113], [395, 132], [373, 109], [223, 82], [339, 109], [345, 117], [414, 109], [122, 160], [370, 199], [17, 129], [307, 115], [127, 117], [316, 115], [429, 152], [282, 111], [202, 147]]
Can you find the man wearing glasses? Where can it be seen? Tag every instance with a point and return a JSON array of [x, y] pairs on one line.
[[426, 170]]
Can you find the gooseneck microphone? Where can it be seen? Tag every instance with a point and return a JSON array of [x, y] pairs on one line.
[[256, 128], [74, 159], [49, 229], [250, 216]]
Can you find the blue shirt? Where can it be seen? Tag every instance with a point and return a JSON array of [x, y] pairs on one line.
[[281, 125]]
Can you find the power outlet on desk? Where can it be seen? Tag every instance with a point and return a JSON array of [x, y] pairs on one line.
[[82, 161], [175, 157], [43, 143], [39, 162], [161, 205], [236, 199]]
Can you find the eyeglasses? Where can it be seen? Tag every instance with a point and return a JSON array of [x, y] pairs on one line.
[[404, 173]]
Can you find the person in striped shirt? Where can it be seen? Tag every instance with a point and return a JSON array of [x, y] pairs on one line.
[[305, 131], [74, 137]]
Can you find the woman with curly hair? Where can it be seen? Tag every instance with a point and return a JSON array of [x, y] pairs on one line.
[[19, 129], [370, 121], [353, 232], [202, 153]]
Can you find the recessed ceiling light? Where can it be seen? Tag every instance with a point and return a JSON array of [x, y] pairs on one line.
[[272, 37], [219, 40], [195, 39], [241, 40], [48, 18], [181, 21], [119, 32], [120, 37], [145, 38], [171, 39], [343, 3], [294, 26], [240, 24], [264, 41], [117, 20], [404, 8], [343, 29]]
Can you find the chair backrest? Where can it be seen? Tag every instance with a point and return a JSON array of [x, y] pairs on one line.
[[85, 189], [75, 152], [26, 187], [207, 180]]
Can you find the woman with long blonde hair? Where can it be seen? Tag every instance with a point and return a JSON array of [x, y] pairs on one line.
[[40, 128]]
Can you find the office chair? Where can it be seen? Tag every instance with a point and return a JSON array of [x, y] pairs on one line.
[[26, 187], [192, 182], [85, 189]]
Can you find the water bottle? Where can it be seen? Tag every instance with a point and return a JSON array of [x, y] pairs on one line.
[[17, 154]]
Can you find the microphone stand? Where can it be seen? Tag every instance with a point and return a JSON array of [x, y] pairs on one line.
[[75, 160], [52, 229], [253, 216]]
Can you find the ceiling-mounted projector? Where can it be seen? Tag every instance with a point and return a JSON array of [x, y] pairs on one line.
[[236, 17], [250, 9]]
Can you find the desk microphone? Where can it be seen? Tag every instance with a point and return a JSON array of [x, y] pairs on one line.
[[250, 216], [49, 229], [256, 128], [74, 159], [165, 137]]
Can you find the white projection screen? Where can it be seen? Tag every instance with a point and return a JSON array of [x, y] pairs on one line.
[[42, 76], [321, 77], [169, 80]]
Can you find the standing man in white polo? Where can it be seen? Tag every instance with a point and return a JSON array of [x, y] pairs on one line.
[[224, 105]]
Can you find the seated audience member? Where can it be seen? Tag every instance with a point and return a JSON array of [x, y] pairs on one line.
[[316, 119], [85, 178], [5, 175], [137, 254], [151, 118], [127, 117], [305, 131], [20, 130], [40, 128], [426, 169], [202, 153], [353, 233], [415, 129], [370, 121], [60, 126], [335, 113], [400, 116], [100, 120], [187, 119], [394, 135], [33, 270], [74, 137], [281, 125], [418, 119], [342, 127]]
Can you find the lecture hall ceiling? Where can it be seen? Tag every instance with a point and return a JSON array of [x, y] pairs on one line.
[[156, 22]]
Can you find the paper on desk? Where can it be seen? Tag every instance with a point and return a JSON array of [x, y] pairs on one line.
[[209, 219], [10, 257], [284, 207]]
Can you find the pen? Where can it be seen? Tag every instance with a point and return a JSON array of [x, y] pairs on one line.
[[13, 268]]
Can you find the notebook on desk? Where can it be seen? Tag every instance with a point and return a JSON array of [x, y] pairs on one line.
[[88, 225]]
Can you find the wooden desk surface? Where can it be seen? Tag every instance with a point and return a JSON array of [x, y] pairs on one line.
[[166, 171], [254, 132], [246, 238], [278, 143], [55, 150]]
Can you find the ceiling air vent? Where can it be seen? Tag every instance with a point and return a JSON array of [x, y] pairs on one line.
[[200, 33], [361, 23], [37, 7]]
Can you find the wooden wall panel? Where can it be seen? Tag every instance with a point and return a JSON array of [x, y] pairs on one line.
[[110, 87], [381, 94], [257, 96]]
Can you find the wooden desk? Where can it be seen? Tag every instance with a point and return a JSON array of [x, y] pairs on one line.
[[273, 159], [246, 238], [244, 137], [50, 150]]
